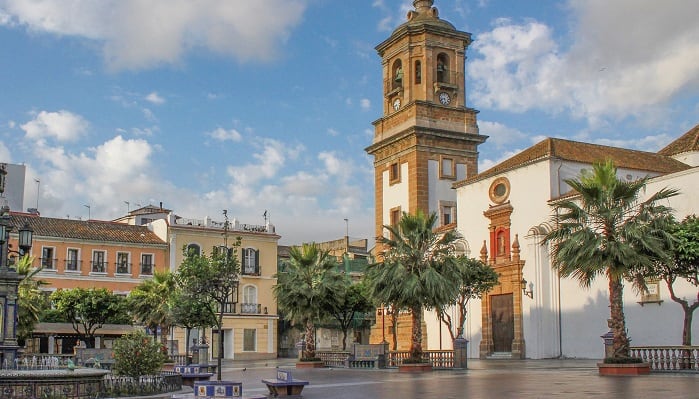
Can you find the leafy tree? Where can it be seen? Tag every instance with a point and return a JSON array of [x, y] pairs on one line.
[[307, 283], [89, 309], [31, 299], [348, 300], [475, 278], [190, 312], [682, 263], [214, 281], [418, 271], [151, 301], [607, 230], [136, 354]]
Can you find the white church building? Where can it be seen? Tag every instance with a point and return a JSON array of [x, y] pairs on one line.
[[503, 214]]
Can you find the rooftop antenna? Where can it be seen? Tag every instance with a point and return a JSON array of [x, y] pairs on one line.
[[88, 212], [38, 182], [128, 209], [264, 215]]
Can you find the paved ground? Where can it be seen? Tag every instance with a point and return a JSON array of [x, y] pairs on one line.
[[484, 379]]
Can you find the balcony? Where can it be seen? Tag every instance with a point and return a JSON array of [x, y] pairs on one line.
[[123, 268], [98, 267], [251, 270], [147, 269], [250, 308], [73, 265], [48, 263], [229, 308]]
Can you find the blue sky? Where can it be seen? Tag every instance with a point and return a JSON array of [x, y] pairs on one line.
[[254, 105]]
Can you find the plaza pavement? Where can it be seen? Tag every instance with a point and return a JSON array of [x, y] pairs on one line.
[[502, 379]]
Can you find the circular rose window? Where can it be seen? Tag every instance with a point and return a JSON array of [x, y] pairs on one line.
[[499, 190]]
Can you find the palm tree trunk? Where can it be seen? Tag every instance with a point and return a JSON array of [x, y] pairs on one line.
[[310, 351], [620, 343], [416, 338]]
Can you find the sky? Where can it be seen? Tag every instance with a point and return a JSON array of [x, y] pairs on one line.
[[258, 106]]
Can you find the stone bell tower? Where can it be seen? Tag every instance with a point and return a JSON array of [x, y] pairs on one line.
[[427, 137]]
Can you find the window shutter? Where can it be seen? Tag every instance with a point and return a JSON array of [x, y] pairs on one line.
[[257, 261]]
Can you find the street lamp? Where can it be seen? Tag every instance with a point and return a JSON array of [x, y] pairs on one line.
[[9, 282]]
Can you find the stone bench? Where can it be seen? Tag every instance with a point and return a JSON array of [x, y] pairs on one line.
[[221, 390], [285, 385], [193, 373]]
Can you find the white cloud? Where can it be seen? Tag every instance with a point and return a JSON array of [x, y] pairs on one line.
[[155, 98], [333, 132], [222, 134], [485, 164], [62, 126], [365, 104], [627, 57], [139, 34], [502, 136]]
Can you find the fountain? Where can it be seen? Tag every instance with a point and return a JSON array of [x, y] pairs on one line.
[[48, 377]]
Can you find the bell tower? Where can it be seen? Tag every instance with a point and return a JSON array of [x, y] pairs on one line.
[[427, 138]]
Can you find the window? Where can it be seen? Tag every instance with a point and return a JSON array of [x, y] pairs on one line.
[[122, 264], [418, 72], [250, 304], [394, 218], [147, 264], [98, 262], [446, 168], [47, 260], [72, 262], [394, 173], [442, 68], [249, 340], [251, 262], [193, 249], [447, 212], [397, 76]]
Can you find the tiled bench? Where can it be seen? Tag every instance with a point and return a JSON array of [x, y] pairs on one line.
[[285, 385]]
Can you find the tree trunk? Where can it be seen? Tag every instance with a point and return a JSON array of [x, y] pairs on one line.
[[309, 351], [187, 334], [344, 339], [620, 343], [687, 327], [416, 337], [394, 324], [219, 358]]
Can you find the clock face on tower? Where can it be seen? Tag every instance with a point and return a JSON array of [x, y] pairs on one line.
[[444, 98], [396, 104]]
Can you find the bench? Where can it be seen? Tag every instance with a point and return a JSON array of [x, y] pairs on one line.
[[285, 385]]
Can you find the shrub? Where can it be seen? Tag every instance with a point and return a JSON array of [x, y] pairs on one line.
[[136, 354]]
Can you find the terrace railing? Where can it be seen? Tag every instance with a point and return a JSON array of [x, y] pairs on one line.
[[669, 358]]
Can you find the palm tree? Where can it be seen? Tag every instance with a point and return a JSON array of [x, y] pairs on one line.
[[418, 271], [306, 283], [150, 303], [607, 230], [31, 299]]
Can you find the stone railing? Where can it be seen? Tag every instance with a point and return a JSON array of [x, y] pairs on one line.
[[333, 358], [669, 358], [440, 359]]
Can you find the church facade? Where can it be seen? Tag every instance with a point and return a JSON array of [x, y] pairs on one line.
[[506, 211]]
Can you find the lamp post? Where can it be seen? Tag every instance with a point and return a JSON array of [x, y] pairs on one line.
[[9, 280]]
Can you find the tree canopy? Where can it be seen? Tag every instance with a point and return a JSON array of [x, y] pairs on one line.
[[608, 230], [418, 270], [309, 279], [89, 309]]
